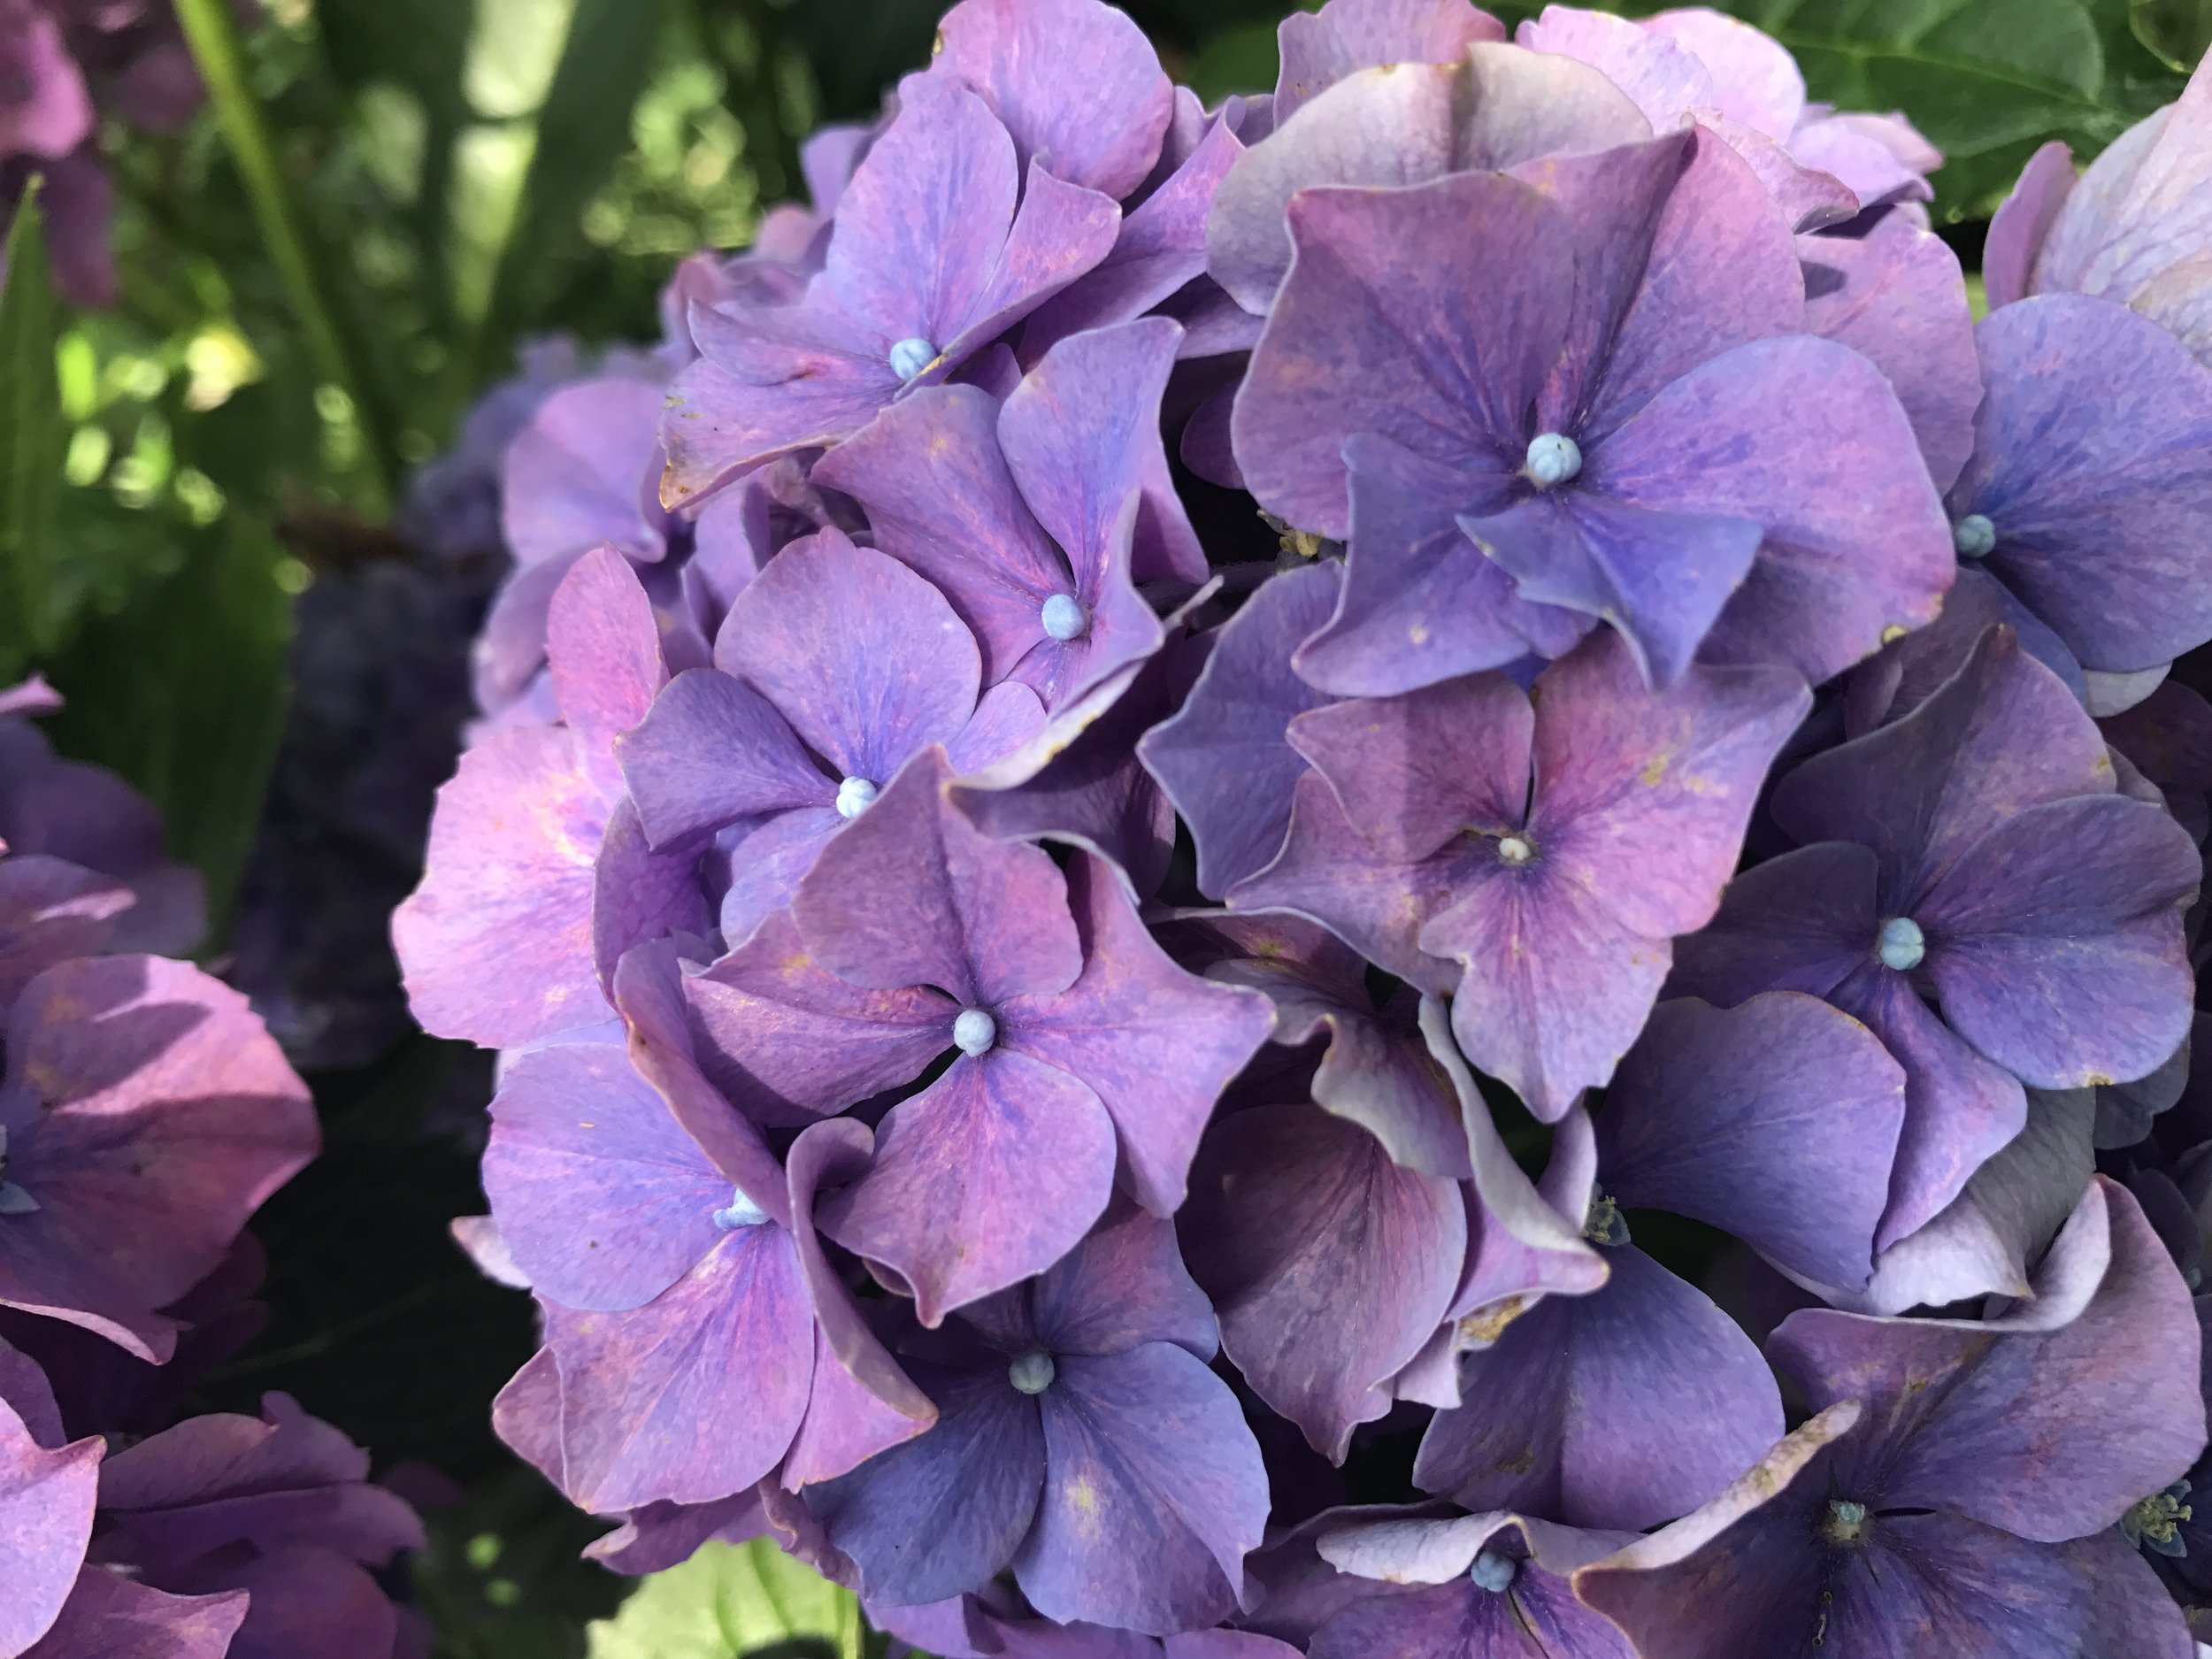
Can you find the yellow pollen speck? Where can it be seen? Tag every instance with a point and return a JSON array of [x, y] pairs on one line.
[[1487, 1324], [1894, 633], [1083, 1496], [1418, 634], [1654, 771]]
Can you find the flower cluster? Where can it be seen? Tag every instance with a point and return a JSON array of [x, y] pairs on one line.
[[145, 1114], [63, 63], [1588, 943]]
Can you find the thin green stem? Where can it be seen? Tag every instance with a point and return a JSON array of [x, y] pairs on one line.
[[213, 34]]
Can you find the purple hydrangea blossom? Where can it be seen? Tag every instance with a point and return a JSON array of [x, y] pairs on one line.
[[1081, 1441]]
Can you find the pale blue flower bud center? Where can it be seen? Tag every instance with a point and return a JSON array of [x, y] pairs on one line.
[[1494, 1572], [855, 796], [1902, 944], [910, 357], [1064, 617], [1553, 458], [1974, 537], [1846, 1521], [741, 1212], [974, 1032], [1031, 1373], [1513, 850]]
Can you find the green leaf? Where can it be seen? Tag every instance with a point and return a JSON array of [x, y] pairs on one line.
[[730, 1600], [2180, 30], [33, 437], [582, 128], [183, 691], [1240, 59]]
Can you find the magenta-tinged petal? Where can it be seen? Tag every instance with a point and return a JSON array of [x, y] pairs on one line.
[[1805, 439], [149, 1114], [2017, 231], [52, 910], [599, 1194], [1959, 1108], [1060, 231], [697, 1394], [987, 1176], [912, 893], [2050, 1433], [863, 658], [1080, 433], [2071, 910], [1223, 759], [1354, 340], [1331, 1266], [941, 498], [1413, 772], [862, 1402], [638, 894], [2002, 735], [48, 111], [2096, 525], [1328, 872], [114, 1618], [1777, 1120], [1620, 1408], [1666, 78], [1319, 49], [46, 1499], [711, 751], [497, 941], [1896, 297], [788, 1041], [527, 1415], [1157, 1044], [1154, 1493], [580, 473], [944, 1513], [1101, 130]]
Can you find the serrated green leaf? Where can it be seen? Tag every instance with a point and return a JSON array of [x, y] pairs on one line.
[[184, 690], [31, 441], [729, 1601]]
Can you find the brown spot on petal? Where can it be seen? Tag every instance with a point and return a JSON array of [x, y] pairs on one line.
[[1487, 1324]]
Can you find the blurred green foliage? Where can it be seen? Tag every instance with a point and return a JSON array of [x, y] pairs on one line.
[[383, 199]]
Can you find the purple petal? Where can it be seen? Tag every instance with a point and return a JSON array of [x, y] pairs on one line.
[[50, 911], [112, 1618], [1224, 759], [1154, 1493], [1805, 921], [944, 1513], [599, 1194], [496, 942], [1777, 1120], [581, 474], [1080, 433], [149, 1114], [1620, 1408], [638, 894], [1100, 130], [1805, 439], [863, 658], [1124, 1286], [1413, 772], [2073, 909], [987, 1176], [2050, 1433], [46, 1499], [2017, 231], [1896, 295], [1319, 49], [697, 1394], [912, 893], [1330, 1266], [766, 864], [2002, 735], [788, 1043], [1157, 1044], [2099, 538], [713, 750]]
